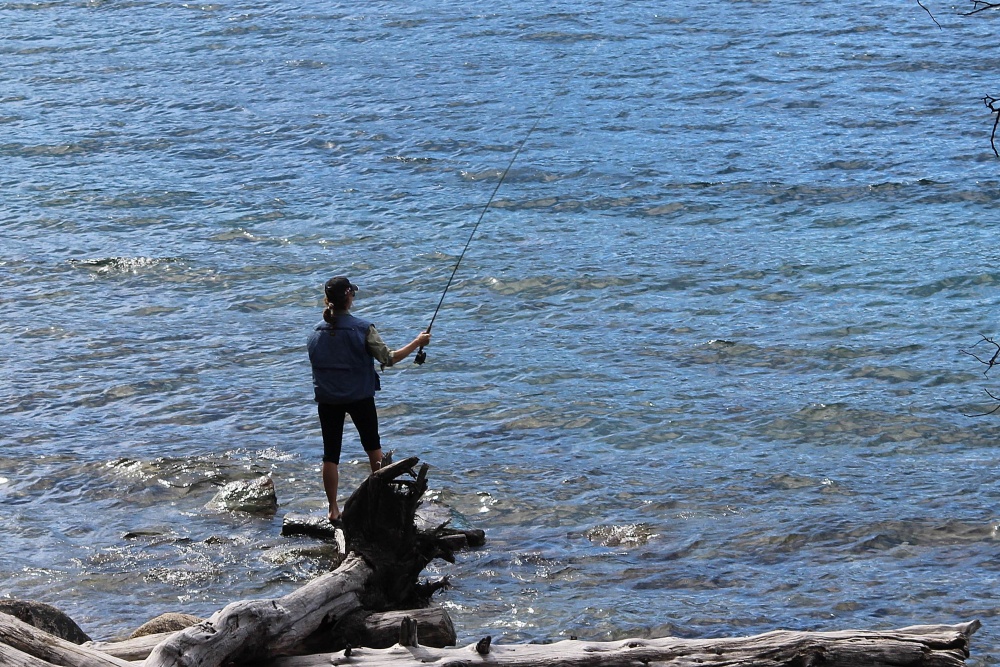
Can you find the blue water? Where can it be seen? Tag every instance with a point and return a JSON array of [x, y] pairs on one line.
[[700, 372]]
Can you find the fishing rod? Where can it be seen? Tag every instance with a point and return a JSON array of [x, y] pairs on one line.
[[421, 356]]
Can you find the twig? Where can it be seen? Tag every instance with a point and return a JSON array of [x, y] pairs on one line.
[[990, 103], [986, 414], [989, 364], [993, 360], [931, 15]]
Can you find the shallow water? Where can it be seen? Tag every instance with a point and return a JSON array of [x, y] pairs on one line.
[[700, 373]]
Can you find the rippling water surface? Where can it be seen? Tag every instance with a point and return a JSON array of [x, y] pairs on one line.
[[700, 373]]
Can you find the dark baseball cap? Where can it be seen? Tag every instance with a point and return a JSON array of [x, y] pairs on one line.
[[339, 285]]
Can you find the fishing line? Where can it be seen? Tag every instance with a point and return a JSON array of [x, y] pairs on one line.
[[421, 356]]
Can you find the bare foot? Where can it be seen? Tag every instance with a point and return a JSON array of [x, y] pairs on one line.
[[334, 516]]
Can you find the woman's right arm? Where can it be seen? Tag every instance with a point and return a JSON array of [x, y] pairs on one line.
[[423, 340]]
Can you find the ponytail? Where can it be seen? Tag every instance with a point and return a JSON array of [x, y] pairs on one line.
[[339, 302], [328, 315], [338, 293]]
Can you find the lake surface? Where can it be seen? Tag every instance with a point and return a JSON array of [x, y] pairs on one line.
[[701, 372]]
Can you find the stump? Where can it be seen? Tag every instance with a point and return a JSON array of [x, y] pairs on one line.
[[379, 525]]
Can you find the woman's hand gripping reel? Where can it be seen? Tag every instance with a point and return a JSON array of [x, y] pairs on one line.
[[425, 337]]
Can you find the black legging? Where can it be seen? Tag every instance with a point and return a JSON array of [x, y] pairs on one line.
[[331, 421]]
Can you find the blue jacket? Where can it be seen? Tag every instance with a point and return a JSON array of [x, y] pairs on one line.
[[342, 368]]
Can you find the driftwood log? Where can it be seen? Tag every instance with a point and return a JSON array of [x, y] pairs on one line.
[[924, 646], [387, 556], [374, 630], [374, 599], [259, 629], [23, 645], [917, 646]]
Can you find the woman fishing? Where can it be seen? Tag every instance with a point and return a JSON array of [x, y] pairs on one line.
[[342, 349]]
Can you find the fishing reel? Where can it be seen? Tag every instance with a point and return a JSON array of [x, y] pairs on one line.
[[421, 357]]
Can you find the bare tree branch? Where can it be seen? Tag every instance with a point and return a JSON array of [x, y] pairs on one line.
[[993, 360], [991, 104], [981, 6], [989, 363]]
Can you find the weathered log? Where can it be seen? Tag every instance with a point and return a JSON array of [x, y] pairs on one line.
[[381, 630], [259, 629], [375, 630], [133, 650], [918, 646], [24, 638], [141, 642], [434, 628], [11, 657]]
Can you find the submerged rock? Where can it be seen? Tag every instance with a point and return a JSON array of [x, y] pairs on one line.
[[628, 535], [256, 496], [45, 617]]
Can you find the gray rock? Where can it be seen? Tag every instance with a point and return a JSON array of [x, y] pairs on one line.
[[169, 622], [45, 617], [255, 496]]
